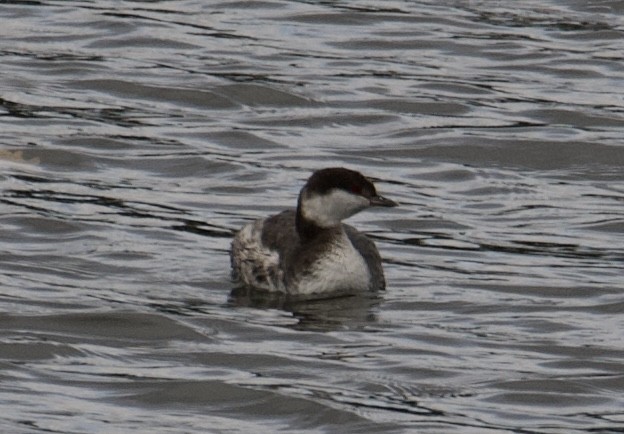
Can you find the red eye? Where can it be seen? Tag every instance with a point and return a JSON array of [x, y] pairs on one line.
[[356, 189]]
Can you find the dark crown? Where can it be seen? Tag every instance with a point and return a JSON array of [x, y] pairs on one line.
[[324, 180]]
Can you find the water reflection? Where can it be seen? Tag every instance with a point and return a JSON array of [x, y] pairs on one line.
[[350, 311]]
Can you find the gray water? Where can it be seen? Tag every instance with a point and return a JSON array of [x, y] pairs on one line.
[[136, 137]]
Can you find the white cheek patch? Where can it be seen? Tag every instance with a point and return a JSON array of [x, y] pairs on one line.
[[330, 209]]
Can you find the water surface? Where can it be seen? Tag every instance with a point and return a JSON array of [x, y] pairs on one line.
[[136, 137]]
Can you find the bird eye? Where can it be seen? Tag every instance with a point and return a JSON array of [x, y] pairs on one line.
[[356, 189]]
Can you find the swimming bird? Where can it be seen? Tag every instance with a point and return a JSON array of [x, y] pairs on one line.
[[309, 251]]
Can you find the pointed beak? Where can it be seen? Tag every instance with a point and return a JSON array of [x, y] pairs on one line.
[[382, 201]]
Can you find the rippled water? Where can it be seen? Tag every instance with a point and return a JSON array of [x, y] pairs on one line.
[[135, 137]]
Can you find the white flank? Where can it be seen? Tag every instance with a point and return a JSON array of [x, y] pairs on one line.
[[341, 269], [258, 266]]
